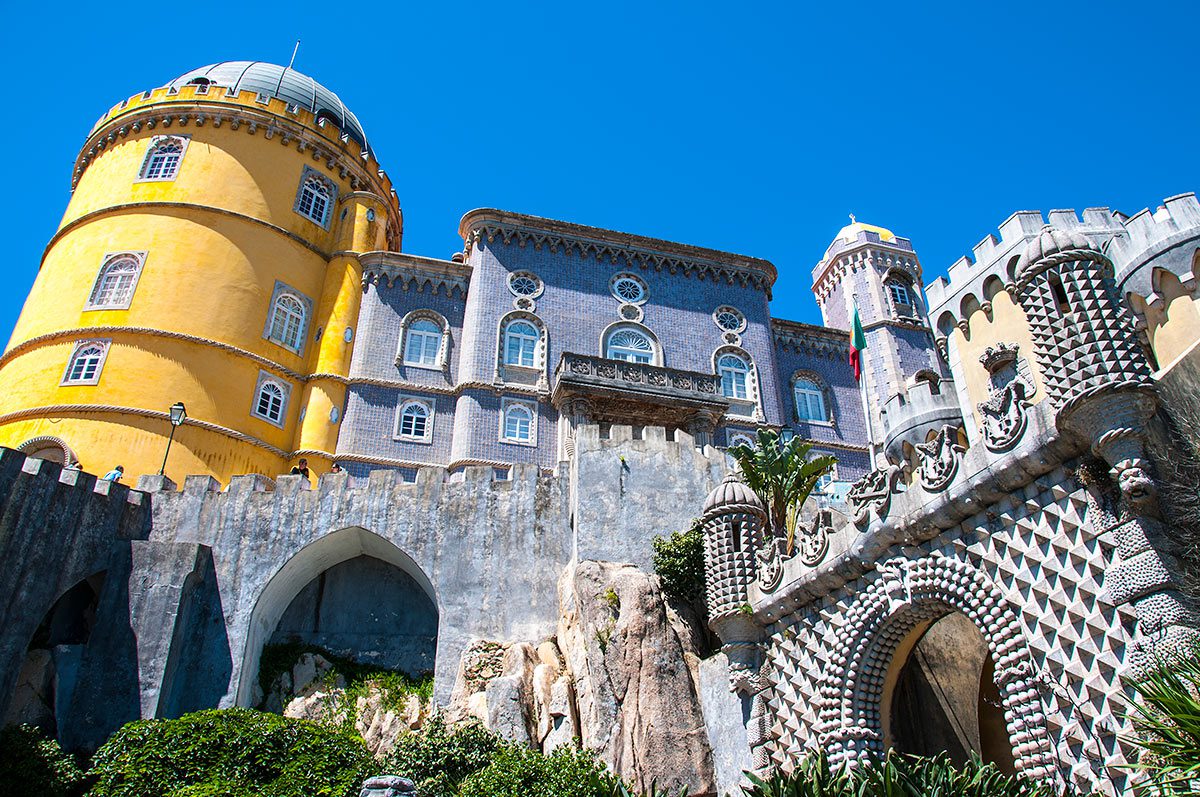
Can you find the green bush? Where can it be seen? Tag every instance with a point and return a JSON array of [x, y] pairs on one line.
[[395, 686], [34, 765], [230, 753], [679, 563], [521, 772], [437, 757], [896, 775], [1167, 718]]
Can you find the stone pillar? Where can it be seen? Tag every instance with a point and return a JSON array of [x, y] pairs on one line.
[[574, 414]]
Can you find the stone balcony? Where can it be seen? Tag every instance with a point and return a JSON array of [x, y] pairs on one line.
[[639, 394]]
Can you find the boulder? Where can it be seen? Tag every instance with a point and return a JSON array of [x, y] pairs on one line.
[[388, 786], [635, 693]]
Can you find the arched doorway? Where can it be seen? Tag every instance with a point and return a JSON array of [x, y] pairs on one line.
[[48, 674], [52, 449], [368, 611], [346, 577], [941, 696]]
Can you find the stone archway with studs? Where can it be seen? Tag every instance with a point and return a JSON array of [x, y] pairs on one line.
[[908, 593]]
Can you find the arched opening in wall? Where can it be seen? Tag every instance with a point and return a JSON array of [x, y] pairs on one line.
[[941, 697], [51, 449], [352, 595], [48, 675]]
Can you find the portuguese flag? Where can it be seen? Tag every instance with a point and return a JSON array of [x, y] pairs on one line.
[[858, 343]]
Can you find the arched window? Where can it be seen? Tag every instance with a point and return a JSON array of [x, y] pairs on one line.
[[270, 399], [734, 372], [518, 423], [413, 422], [900, 293], [86, 362], [521, 344], [163, 158], [315, 198], [287, 322], [115, 282], [630, 345], [423, 343], [810, 400]]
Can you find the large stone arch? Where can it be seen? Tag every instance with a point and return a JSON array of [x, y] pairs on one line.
[[308, 563], [908, 594]]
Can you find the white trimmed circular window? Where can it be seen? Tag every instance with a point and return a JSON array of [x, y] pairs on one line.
[[729, 319], [525, 283], [628, 288]]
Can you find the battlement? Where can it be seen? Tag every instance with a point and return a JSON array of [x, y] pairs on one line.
[[1154, 240], [19, 471], [973, 280], [199, 105], [925, 406], [590, 438]]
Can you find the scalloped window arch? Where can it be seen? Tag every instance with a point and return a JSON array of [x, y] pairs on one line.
[[270, 400], [315, 197], [287, 321], [734, 372], [521, 338], [116, 282], [163, 158]]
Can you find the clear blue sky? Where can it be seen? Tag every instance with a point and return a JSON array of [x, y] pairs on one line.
[[737, 126]]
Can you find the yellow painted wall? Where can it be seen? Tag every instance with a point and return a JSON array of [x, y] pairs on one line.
[[208, 273], [1173, 322], [1008, 324]]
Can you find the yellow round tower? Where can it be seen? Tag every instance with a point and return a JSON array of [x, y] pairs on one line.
[[208, 256]]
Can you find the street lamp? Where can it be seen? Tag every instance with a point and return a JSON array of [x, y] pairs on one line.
[[178, 414]]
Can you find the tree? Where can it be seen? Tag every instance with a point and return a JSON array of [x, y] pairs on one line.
[[783, 473]]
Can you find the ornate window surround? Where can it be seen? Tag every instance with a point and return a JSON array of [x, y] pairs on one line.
[[110, 260], [628, 276], [414, 401], [522, 374], [265, 379], [157, 143], [82, 346], [904, 280], [507, 404], [331, 197], [826, 396], [281, 290], [729, 309], [656, 350], [443, 351], [751, 406], [514, 276]]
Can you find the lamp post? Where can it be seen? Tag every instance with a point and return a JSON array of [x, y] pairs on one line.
[[178, 414]]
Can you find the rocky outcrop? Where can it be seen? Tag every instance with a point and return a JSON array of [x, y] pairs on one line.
[[518, 691], [635, 691], [313, 690]]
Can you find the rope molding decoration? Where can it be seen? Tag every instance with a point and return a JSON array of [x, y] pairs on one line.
[[112, 409]]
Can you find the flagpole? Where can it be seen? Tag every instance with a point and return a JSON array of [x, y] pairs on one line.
[[862, 384]]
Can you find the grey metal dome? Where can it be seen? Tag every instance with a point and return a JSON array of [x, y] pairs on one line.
[[294, 88]]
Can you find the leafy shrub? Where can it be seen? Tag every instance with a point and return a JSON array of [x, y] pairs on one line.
[[394, 685], [521, 772], [231, 753], [32, 764], [897, 775], [1167, 719], [439, 757], [679, 563]]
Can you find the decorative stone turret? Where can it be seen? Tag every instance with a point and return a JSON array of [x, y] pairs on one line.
[[735, 524], [1098, 380]]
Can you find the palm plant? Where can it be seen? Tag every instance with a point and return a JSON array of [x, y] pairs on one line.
[[783, 474], [1167, 718]]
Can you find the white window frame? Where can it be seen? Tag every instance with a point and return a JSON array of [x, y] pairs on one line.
[[406, 336], [651, 353], [282, 291], [826, 481], [745, 372], [506, 405], [285, 389], [79, 348], [534, 342], [735, 313], [813, 391], [112, 259], [156, 144], [311, 174], [896, 288], [405, 403]]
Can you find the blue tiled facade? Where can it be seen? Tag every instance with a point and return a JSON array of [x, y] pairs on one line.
[[569, 297]]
